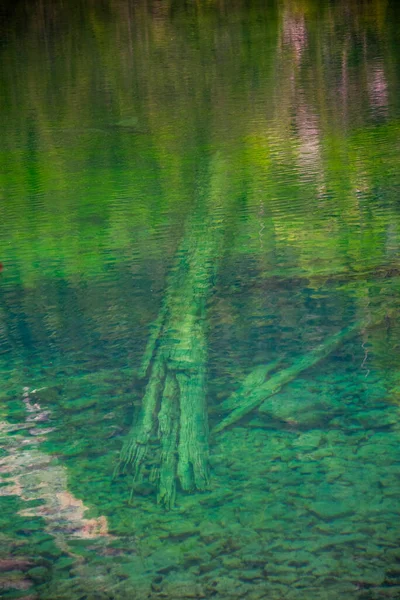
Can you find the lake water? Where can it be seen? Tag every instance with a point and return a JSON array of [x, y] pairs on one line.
[[199, 300]]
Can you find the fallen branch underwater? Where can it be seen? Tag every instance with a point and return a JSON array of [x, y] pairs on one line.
[[174, 403], [256, 389]]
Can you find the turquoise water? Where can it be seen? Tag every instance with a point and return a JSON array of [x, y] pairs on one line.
[[199, 290]]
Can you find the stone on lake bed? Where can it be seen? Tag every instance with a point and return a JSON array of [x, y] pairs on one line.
[[373, 577], [227, 586], [331, 541], [378, 418], [210, 532], [180, 530], [330, 510], [231, 562], [38, 573], [14, 563], [308, 441], [80, 404], [250, 574], [298, 408], [183, 589]]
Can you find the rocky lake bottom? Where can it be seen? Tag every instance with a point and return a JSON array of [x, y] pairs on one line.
[[303, 500]]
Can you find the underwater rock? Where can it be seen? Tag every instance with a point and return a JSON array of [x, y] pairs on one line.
[[38, 573], [227, 587], [165, 560], [15, 580], [379, 418], [372, 577], [210, 532], [308, 441], [46, 395], [338, 540], [250, 574], [330, 510], [80, 404], [298, 407], [15, 564], [180, 530], [183, 589], [231, 562], [216, 498], [279, 573]]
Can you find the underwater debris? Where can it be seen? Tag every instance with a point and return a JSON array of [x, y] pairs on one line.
[[174, 403], [247, 399]]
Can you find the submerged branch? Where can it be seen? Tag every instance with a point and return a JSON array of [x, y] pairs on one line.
[[253, 381], [242, 405]]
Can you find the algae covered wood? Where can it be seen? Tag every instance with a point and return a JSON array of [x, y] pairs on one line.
[[168, 420], [175, 360], [254, 380], [139, 436], [242, 405]]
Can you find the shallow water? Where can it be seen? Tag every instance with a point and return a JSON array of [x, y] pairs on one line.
[[231, 171]]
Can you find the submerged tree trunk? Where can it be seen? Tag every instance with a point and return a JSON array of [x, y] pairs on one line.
[[174, 403]]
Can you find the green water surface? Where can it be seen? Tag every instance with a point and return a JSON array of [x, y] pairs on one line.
[[233, 164]]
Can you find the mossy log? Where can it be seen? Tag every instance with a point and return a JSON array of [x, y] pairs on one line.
[[256, 378], [174, 404], [168, 419], [246, 399]]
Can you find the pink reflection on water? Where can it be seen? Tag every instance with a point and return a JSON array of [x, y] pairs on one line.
[[295, 33], [32, 475], [378, 89], [309, 147]]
